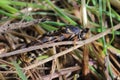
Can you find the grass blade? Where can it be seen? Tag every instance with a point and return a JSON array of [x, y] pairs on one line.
[[19, 71]]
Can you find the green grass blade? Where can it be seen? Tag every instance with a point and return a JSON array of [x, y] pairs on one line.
[[102, 28], [19, 71], [116, 14], [99, 75], [61, 13], [54, 23], [5, 2], [6, 13], [111, 21], [42, 57], [94, 2], [47, 27], [24, 4], [8, 8]]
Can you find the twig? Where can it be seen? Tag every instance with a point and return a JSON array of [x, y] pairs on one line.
[[7, 72], [60, 43], [61, 72], [80, 43], [5, 28]]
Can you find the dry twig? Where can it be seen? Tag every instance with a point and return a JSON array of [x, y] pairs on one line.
[[80, 43], [8, 27]]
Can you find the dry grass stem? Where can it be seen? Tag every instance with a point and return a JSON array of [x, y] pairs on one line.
[[80, 43]]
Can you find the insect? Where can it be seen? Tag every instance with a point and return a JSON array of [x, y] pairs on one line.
[[68, 33]]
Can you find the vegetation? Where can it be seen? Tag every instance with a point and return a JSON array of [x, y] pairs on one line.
[[23, 22]]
